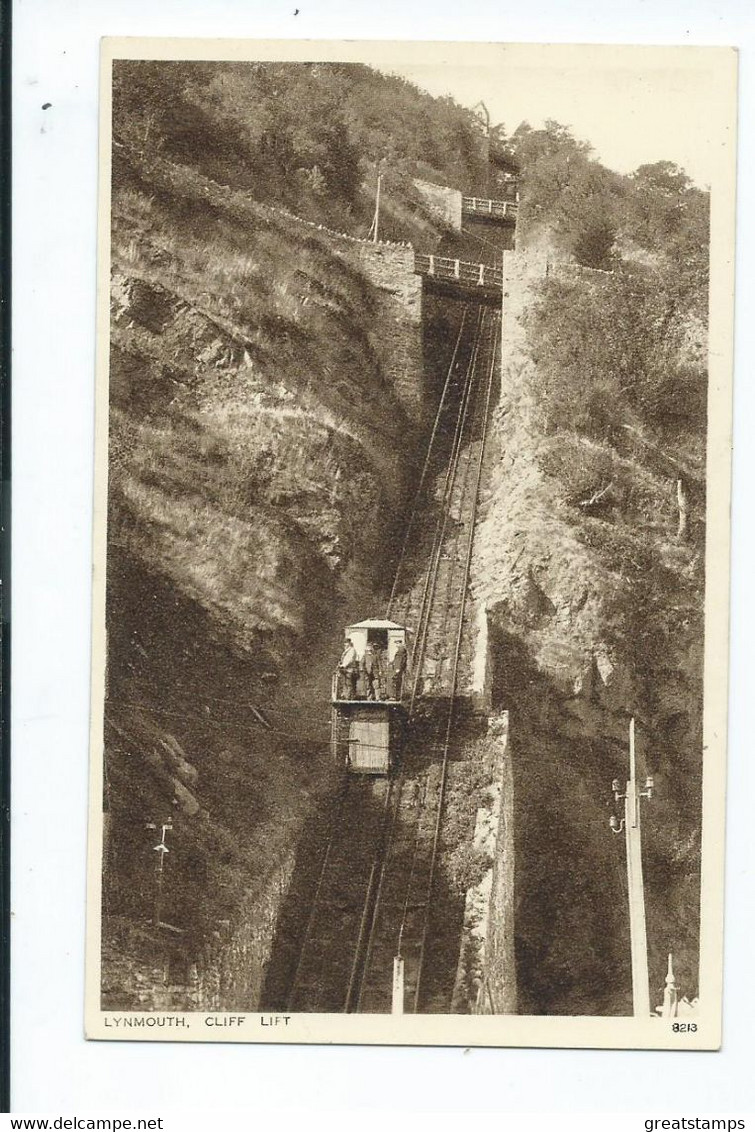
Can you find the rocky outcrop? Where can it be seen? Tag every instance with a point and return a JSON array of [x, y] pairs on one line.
[[267, 394], [587, 621]]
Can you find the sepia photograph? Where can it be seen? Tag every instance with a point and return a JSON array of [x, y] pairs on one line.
[[411, 547]]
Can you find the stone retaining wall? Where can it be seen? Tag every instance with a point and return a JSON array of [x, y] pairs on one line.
[[396, 333], [486, 972], [149, 974], [442, 202]]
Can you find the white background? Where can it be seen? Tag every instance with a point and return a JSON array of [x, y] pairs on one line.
[[55, 1070]]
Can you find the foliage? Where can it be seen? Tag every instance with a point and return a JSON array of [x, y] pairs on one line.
[[609, 354], [306, 135], [566, 191], [619, 359], [467, 865], [666, 214], [592, 212]]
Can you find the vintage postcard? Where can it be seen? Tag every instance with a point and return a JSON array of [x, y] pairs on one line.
[[411, 543]]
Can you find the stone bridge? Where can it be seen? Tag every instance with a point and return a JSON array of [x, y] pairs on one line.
[[460, 278], [493, 211]]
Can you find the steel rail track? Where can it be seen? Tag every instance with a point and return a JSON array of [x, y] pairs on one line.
[[431, 577], [457, 654], [423, 475], [346, 885], [427, 599], [406, 863], [449, 465], [356, 883], [448, 549]]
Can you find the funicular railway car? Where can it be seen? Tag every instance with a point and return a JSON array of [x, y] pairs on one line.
[[370, 686]]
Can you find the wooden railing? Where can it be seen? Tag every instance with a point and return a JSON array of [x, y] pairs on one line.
[[339, 689], [459, 271], [480, 206]]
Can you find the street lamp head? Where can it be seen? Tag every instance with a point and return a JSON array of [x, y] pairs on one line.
[[615, 824], [616, 786]]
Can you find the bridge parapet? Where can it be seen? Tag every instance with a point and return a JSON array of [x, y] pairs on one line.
[[483, 208], [459, 271]]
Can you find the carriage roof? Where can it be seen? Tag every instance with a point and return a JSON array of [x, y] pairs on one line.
[[374, 623]]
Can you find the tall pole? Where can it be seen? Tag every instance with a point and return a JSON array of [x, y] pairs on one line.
[[637, 925], [397, 997], [486, 148], [161, 849], [670, 1007], [377, 207]]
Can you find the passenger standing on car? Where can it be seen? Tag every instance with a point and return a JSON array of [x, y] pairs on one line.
[[399, 669], [380, 673], [369, 668], [348, 668], [368, 671]]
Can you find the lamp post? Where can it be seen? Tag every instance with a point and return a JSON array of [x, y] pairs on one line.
[[630, 823], [161, 849], [670, 1007]]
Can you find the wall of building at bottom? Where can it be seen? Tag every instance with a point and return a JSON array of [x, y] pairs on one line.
[[228, 973]]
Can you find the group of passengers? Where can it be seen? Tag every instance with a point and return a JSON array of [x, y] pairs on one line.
[[373, 677]]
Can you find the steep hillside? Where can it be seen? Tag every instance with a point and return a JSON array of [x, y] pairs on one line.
[[273, 380], [307, 136], [592, 618], [601, 218], [590, 563], [267, 400]]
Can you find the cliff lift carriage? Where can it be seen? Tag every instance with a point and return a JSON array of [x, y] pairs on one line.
[[368, 714]]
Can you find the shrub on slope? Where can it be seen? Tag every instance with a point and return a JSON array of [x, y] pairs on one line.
[[305, 135]]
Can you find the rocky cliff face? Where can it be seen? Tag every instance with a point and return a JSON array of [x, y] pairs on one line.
[[578, 640], [267, 402], [271, 385], [270, 381]]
